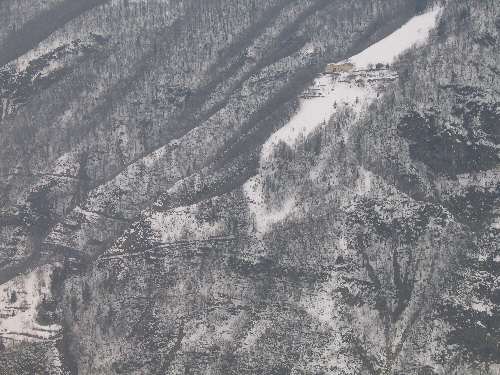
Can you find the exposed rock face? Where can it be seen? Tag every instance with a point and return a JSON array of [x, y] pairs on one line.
[[183, 191]]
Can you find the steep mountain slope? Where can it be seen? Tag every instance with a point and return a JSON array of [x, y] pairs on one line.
[[205, 200]]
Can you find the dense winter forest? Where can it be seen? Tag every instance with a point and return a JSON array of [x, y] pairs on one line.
[[282, 187]]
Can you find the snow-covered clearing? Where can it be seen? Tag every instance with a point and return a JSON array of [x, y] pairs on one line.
[[413, 33], [19, 299], [328, 94], [355, 88]]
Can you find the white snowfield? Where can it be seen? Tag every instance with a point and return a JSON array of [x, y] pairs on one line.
[[327, 95], [354, 89], [413, 33], [19, 299]]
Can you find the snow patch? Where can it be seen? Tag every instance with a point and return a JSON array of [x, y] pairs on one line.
[[324, 98], [257, 331], [496, 223], [308, 50], [19, 299], [364, 181], [43, 48], [482, 307], [414, 33], [264, 217], [155, 157], [90, 217], [67, 165], [182, 224]]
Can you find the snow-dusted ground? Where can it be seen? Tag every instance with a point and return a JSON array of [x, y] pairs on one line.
[[265, 216], [66, 165], [356, 88], [329, 93], [182, 224], [19, 299], [43, 48], [414, 33]]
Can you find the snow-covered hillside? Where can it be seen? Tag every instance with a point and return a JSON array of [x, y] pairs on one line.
[[249, 187], [354, 89], [20, 301]]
